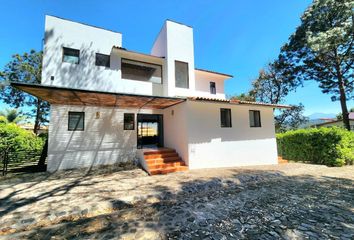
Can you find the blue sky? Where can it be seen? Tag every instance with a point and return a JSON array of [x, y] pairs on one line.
[[232, 36]]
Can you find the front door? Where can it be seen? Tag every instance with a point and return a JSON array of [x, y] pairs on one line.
[[150, 130]]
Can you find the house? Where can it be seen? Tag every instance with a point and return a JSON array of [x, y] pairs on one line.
[[110, 104], [337, 123]]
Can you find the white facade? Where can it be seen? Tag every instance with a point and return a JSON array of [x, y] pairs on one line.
[[102, 142], [174, 43], [192, 127], [194, 130]]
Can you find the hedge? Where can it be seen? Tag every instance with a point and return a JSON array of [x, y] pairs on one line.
[[329, 146], [16, 140]]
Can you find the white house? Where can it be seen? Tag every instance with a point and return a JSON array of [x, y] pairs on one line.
[[110, 104]]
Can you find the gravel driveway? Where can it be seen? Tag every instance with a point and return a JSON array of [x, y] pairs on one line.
[[290, 201]]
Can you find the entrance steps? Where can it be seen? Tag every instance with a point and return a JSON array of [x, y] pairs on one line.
[[163, 161]]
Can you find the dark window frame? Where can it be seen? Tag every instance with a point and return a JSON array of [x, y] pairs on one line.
[[124, 123], [226, 120], [176, 61], [212, 88], [104, 55], [259, 119], [83, 119], [71, 49]]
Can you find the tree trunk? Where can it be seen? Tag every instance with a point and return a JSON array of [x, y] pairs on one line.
[[37, 120], [44, 154], [343, 101]]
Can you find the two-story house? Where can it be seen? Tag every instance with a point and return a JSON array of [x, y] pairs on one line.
[[110, 104]]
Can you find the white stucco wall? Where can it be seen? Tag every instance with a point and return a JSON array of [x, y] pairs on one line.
[[202, 85], [211, 146], [174, 42], [102, 142], [89, 40], [176, 129]]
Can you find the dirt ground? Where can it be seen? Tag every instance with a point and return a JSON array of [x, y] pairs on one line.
[[288, 201]]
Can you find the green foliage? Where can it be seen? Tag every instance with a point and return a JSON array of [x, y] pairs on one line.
[[243, 97], [329, 146], [16, 139], [25, 68], [274, 83], [12, 115], [3, 120], [322, 49], [290, 119]]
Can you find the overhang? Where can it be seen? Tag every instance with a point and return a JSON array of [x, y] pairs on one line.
[[238, 102], [72, 96], [124, 53], [212, 74]]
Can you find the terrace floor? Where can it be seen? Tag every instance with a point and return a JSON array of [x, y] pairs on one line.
[[290, 201]]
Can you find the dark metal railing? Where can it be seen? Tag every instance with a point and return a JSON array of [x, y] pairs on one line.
[[16, 159]]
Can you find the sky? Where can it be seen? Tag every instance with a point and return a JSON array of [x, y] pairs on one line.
[[230, 36]]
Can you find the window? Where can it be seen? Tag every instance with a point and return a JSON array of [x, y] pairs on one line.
[[225, 116], [181, 74], [141, 71], [129, 121], [212, 88], [102, 60], [255, 118], [71, 55], [76, 121]]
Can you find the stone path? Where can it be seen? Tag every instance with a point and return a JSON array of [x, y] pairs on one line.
[[291, 201]]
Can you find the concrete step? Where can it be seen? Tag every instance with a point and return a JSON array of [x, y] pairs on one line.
[[166, 165], [159, 151], [161, 155], [163, 160], [168, 170]]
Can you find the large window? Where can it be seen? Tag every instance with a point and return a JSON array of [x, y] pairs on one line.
[[76, 121], [225, 117], [102, 60], [255, 118], [129, 121], [181, 74], [212, 88], [141, 71], [71, 55]]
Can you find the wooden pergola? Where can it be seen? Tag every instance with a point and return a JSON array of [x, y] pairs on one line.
[[70, 96]]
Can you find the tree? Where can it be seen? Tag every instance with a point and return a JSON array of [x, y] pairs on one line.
[[272, 86], [321, 49], [24, 68], [243, 97], [274, 83], [339, 116], [290, 119], [12, 115]]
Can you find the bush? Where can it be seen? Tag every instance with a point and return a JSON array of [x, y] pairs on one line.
[[330, 146], [16, 140]]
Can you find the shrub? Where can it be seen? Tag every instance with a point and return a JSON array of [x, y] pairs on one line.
[[3, 120], [330, 146], [16, 140]]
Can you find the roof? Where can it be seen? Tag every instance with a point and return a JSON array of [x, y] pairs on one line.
[[72, 96], [238, 102], [351, 118], [218, 73]]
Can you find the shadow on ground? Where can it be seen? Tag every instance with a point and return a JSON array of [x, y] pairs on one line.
[[250, 204]]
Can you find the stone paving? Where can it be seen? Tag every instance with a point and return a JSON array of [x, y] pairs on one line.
[[290, 201]]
